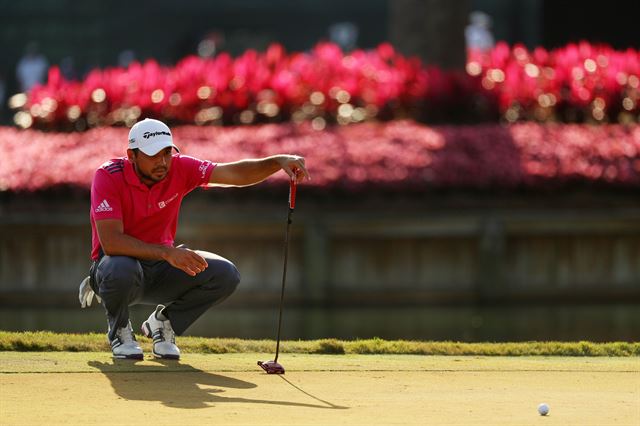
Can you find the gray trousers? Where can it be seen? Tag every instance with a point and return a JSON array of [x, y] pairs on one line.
[[122, 281]]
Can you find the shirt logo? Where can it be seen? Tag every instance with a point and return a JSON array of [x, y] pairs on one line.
[[203, 168], [163, 204], [104, 207]]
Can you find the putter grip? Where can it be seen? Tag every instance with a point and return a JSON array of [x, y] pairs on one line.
[[292, 194]]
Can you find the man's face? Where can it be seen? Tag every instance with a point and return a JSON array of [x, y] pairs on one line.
[[151, 169]]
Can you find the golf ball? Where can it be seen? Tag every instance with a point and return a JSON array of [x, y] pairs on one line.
[[543, 409]]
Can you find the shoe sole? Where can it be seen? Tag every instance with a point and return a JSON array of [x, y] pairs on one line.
[[136, 356], [174, 357], [146, 330]]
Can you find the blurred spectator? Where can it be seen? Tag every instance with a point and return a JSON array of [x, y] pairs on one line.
[[32, 68], [67, 68], [478, 33], [344, 34], [126, 57], [211, 44]]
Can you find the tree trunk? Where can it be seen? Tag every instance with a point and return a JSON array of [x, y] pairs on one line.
[[430, 29]]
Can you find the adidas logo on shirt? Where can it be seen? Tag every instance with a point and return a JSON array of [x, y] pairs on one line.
[[104, 207]]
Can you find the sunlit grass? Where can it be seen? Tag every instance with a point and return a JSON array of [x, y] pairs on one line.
[[44, 341]]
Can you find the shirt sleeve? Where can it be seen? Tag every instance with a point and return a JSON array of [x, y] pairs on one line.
[[197, 172], [105, 197]]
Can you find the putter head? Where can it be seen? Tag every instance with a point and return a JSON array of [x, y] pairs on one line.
[[271, 367]]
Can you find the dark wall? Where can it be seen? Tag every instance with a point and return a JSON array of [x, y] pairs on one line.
[[615, 22], [554, 23], [94, 32], [360, 249]]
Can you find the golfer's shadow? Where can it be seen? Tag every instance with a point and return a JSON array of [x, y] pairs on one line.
[[179, 385]]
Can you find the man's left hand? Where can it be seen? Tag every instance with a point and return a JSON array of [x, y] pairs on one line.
[[294, 166]]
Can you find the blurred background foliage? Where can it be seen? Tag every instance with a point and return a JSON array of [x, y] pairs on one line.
[[500, 231], [79, 36]]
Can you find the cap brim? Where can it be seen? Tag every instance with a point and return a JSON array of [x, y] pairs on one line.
[[155, 147]]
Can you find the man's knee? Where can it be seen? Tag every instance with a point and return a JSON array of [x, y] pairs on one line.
[[230, 277], [226, 277], [118, 273]]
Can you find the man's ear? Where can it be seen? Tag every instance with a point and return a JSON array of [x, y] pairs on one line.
[[131, 155]]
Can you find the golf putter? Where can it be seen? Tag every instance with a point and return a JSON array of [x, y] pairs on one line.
[[272, 367]]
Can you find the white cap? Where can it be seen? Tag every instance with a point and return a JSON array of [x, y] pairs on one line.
[[150, 136]]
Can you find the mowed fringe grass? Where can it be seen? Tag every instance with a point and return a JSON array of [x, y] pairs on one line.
[[44, 341]]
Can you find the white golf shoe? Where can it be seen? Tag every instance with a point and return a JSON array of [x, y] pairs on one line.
[[124, 345], [164, 338]]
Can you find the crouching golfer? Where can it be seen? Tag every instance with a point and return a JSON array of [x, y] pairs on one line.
[[135, 201]]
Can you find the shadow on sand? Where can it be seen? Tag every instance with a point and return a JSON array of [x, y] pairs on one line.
[[179, 385]]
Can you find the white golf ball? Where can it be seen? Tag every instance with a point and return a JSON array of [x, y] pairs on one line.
[[543, 409]]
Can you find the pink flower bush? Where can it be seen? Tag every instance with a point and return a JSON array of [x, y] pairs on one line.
[[576, 83], [254, 87], [399, 155], [579, 82]]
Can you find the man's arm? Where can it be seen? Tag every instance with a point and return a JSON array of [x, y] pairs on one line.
[[115, 242], [252, 171]]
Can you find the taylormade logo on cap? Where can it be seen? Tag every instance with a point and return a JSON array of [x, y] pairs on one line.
[[147, 135], [150, 136]]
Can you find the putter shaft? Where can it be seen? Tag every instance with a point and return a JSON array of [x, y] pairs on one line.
[[284, 280]]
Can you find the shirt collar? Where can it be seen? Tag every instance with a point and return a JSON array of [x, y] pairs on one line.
[[130, 175]]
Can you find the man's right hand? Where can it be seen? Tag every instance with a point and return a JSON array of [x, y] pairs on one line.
[[186, 260], [115, 242]]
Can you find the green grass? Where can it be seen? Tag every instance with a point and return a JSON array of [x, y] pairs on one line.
[[44, 341]]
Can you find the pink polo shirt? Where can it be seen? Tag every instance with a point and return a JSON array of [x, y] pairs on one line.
[[148, 214]]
